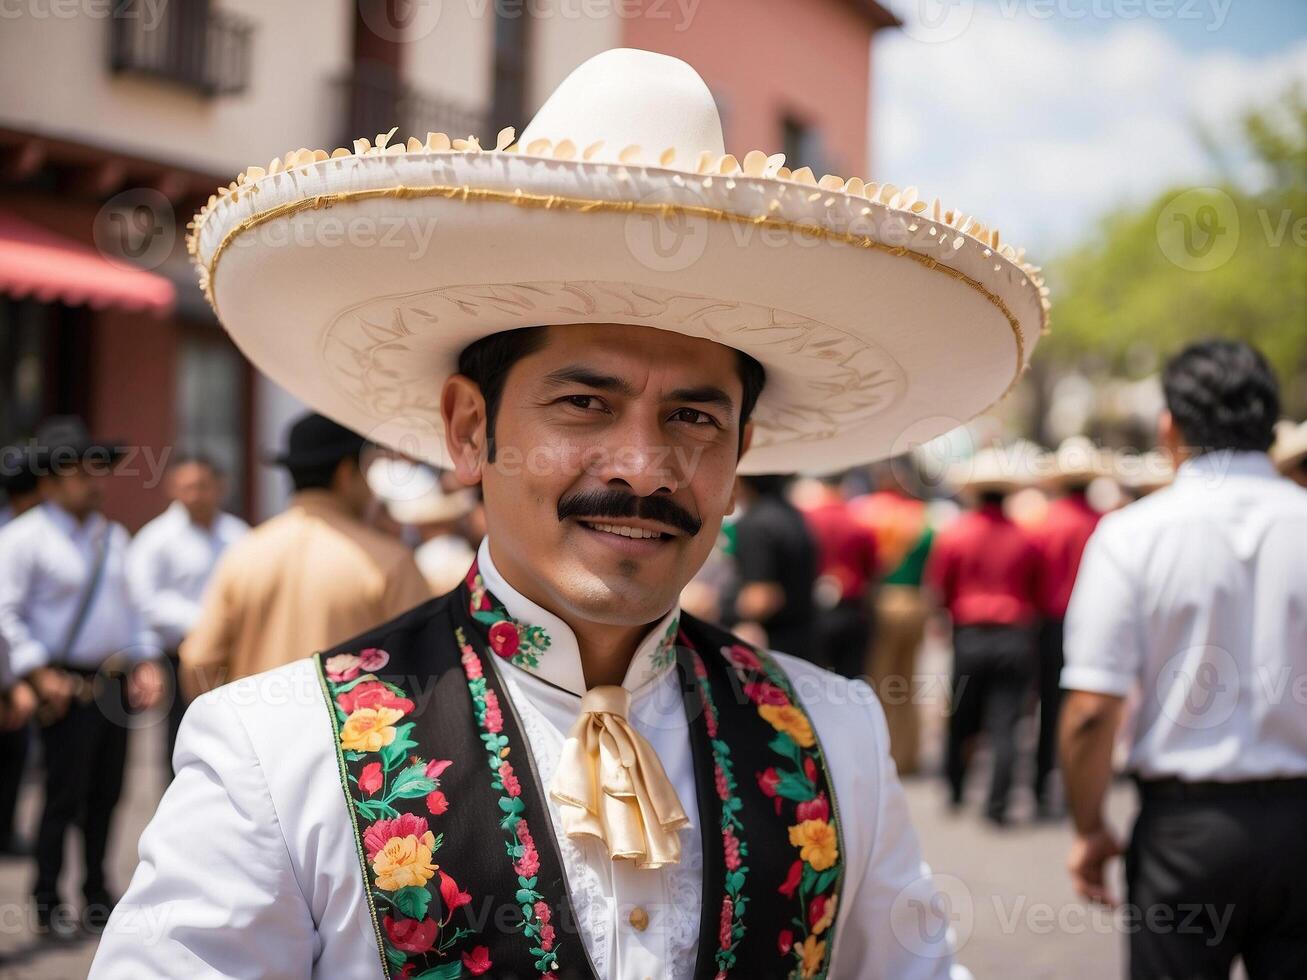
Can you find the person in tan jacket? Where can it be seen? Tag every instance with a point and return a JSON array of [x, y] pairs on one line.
[[309, 577]]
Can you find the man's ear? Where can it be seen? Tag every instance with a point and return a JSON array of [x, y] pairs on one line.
[[464, 412], [745, 442]]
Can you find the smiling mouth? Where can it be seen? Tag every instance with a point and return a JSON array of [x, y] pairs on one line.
[[625, 530]]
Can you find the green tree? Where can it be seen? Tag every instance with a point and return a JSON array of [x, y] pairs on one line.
[[1227, 261]]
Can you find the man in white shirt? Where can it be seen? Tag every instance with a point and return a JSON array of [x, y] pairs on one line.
[[1197, 595], [70, 624], [171, 558], [553, 770]]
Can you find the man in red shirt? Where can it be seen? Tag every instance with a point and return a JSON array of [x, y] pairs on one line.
[[846, 571], [985, 571], [1061, 539]]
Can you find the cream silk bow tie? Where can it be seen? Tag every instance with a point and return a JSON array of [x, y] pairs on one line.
[[611, 785]]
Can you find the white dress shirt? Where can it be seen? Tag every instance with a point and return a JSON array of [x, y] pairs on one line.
[[1198, 594], [169, 564], [46, 560], [277, 891]]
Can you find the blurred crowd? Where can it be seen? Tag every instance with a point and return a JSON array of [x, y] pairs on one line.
[[99, 628]]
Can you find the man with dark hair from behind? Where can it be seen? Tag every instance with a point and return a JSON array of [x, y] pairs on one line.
[[1198, 594]]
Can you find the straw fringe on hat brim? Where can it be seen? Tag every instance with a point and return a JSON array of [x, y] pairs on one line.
[[1290, 446], [879, 316], [1000, 469], [1078, 460]]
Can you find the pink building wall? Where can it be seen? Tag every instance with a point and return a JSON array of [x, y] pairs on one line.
[[766, 59]]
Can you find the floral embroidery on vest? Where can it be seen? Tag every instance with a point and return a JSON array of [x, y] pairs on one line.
[[664, 655], [537, 916], [793, 782], [415, 932], [517, 642], [735, 850]]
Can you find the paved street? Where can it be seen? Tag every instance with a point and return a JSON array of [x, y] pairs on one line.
[[1009, 899]]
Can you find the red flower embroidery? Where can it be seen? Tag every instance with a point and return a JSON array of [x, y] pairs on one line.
[[792, 880], [494, 717], [785, 941], [719, 777], [765, 692], [372, 694], [410, 935], [454, 898], [511, 786], [436, 766], [816, 909], [477, 961], [405, 825], [504, 638], [529, 863], [810, 768], [731, 843], [724, 932], [768, 781], [436, 803], [546, 938], [742, 657], [370, 778], [373, 659], [818, 809]]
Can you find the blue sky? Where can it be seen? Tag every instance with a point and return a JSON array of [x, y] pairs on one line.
[[1039, 115]]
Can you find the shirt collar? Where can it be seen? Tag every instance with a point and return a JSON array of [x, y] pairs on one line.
[[542, 644], [1226, 462]]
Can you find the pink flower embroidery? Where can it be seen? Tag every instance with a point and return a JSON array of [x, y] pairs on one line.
[[742, 657], [436, 766], [405, 825], [373, 659], [471, 663], [511, 786], [436, 803], [731, 845], [719, 777], [504, 639], [342, 667], [410, 935], [818, 809], [494, 718], [765, 692], [529, 863], [372, 694], [724, 933]]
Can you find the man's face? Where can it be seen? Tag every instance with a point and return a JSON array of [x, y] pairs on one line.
[[198, 489], [606, 434], [77, 489]]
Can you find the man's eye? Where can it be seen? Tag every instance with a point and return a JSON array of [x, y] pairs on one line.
[[580, 401], [693, 416]]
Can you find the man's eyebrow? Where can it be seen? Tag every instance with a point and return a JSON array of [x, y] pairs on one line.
[[705, 395], [579, 375]]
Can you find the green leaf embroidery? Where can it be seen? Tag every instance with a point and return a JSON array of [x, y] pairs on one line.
[[412, 901]]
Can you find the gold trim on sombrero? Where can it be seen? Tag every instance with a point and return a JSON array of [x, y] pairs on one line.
[[756, 163]]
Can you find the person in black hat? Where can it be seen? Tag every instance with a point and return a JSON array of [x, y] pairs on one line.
[[73, 633], [307, 578]]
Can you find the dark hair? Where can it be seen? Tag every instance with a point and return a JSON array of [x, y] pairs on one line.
[[487, 362], [187, 458], [768, 484], [991, 498], [318, 476], [1222, 395]]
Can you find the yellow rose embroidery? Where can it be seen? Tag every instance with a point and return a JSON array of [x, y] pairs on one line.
[[404, 861], [368, 729], [813, 952], [816, 842], [790, 720]]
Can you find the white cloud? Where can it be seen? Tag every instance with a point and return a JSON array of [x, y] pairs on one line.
[[1040, 130]]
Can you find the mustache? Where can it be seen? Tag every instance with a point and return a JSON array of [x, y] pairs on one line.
[[616, 503]]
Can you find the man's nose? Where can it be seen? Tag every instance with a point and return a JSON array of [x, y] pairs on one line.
[[641, 461]]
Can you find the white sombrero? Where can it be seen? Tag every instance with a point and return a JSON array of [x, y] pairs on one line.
[[999, 469], [1079, 461], [1290, 447], [355, 278]]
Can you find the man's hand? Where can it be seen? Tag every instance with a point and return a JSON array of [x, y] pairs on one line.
[[54, 689], [145, 686], [17, 706], [1087, 864]]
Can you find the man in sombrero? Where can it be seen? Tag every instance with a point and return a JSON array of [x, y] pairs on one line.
[[552, 771]]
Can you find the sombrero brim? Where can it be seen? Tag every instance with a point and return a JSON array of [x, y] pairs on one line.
[[354, 281]]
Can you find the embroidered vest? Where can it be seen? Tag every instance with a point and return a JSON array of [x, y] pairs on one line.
[[461, 868]]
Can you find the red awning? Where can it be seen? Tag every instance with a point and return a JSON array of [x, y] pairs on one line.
[[43, 265]]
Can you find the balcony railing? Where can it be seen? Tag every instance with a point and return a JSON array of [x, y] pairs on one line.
[[191, 44], [375, 100]]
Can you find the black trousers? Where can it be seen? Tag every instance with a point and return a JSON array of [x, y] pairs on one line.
[[991, 675], [85, 753], [177, 705], [1209, 880], [843, 635], [1050, 702], [13, 760]]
